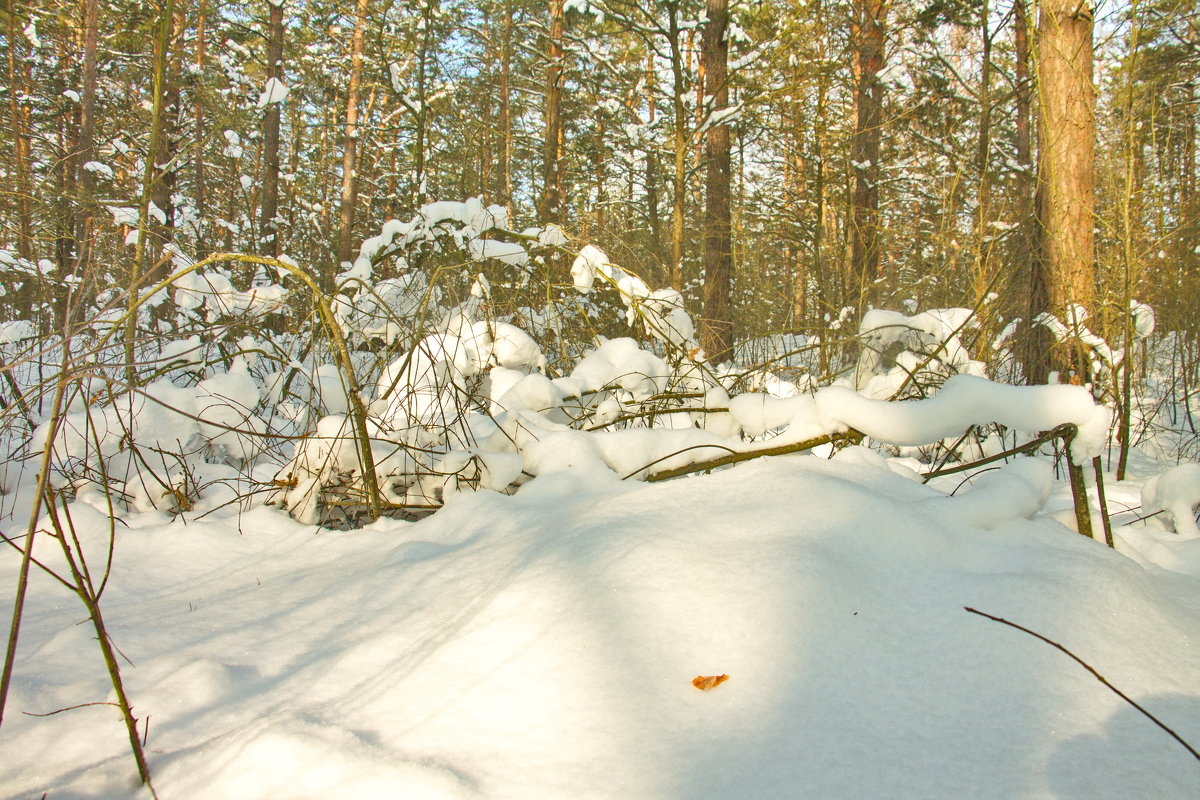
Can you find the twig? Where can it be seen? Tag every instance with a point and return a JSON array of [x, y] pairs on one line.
[[85, 590], [70, 708], [1108, 531], [10, 653], [1079, 495], [1095, 674]]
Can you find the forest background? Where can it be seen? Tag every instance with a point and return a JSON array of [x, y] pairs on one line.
[[783, 164]]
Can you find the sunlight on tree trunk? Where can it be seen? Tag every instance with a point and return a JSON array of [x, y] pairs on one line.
[[1066, 179], [717, 331]]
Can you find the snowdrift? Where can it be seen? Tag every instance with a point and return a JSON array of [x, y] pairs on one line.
[[543, 645]]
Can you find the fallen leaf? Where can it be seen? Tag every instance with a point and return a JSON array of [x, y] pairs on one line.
[[706, 682]]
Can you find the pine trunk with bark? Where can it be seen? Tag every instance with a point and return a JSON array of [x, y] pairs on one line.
[[680, 147], [865, 151], [1066, 171], [85, 209], [163, 188], [19, 119], [271, 244], [717, 328], [551, 204], [199, 173], [350, 147]]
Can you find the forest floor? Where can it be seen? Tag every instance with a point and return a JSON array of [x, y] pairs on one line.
[[544, 645]]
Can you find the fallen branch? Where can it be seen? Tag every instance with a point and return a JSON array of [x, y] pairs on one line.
[[850, 437], [1056, 433], [1095, 674]]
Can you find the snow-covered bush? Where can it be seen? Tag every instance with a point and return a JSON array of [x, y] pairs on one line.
[[1175, 493], [145, 444], [905, 355], [456, 354]]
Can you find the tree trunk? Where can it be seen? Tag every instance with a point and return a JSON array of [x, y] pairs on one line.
[[18, 84], [679, 177], [271, 244], [1035, 345], [717, 330], [504, 168], [420, 187], [1066, 180], [551, 204], [652, 168], [162, 192], [350, 148], [150, 175], [864, 229], [86, 152], [65, 169], [1131, 217], [983, 239], [200, 178]]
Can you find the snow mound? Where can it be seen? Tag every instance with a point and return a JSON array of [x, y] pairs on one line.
[[1176, 492], [545, 644]]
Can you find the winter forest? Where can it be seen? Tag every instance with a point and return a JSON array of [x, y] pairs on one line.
[[599, 399]]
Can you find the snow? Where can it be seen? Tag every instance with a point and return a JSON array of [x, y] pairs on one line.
[[720, 116], [507, 252], [546, 631], [156, 213], [1143, 318], [17, 331], [964, 400], [545, 644], [585, 266], [552, 235], [1176, 492], [124, 215], [213, 292], [99, 168], [275, 91], [621, 362], [233, 144]]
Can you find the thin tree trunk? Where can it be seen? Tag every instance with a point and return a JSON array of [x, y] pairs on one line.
[[18, 83], [296, 147], [150, 175], [864, 230], [87, 141], [141, 267], [504, 178], [795, 191], [652, 168], [551, 210], [350, 147], [820, 229], [1036, 342], [717, 330], [1130, 222], [200, 179], [271, 244], [679, 177], [599, 158], [983, 241], [163, 187], [65, 170], [420, 187]]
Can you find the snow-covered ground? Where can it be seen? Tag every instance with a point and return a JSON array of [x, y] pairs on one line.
[[543, 645]]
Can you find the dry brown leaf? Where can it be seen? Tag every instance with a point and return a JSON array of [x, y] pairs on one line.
[[707, 682]]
